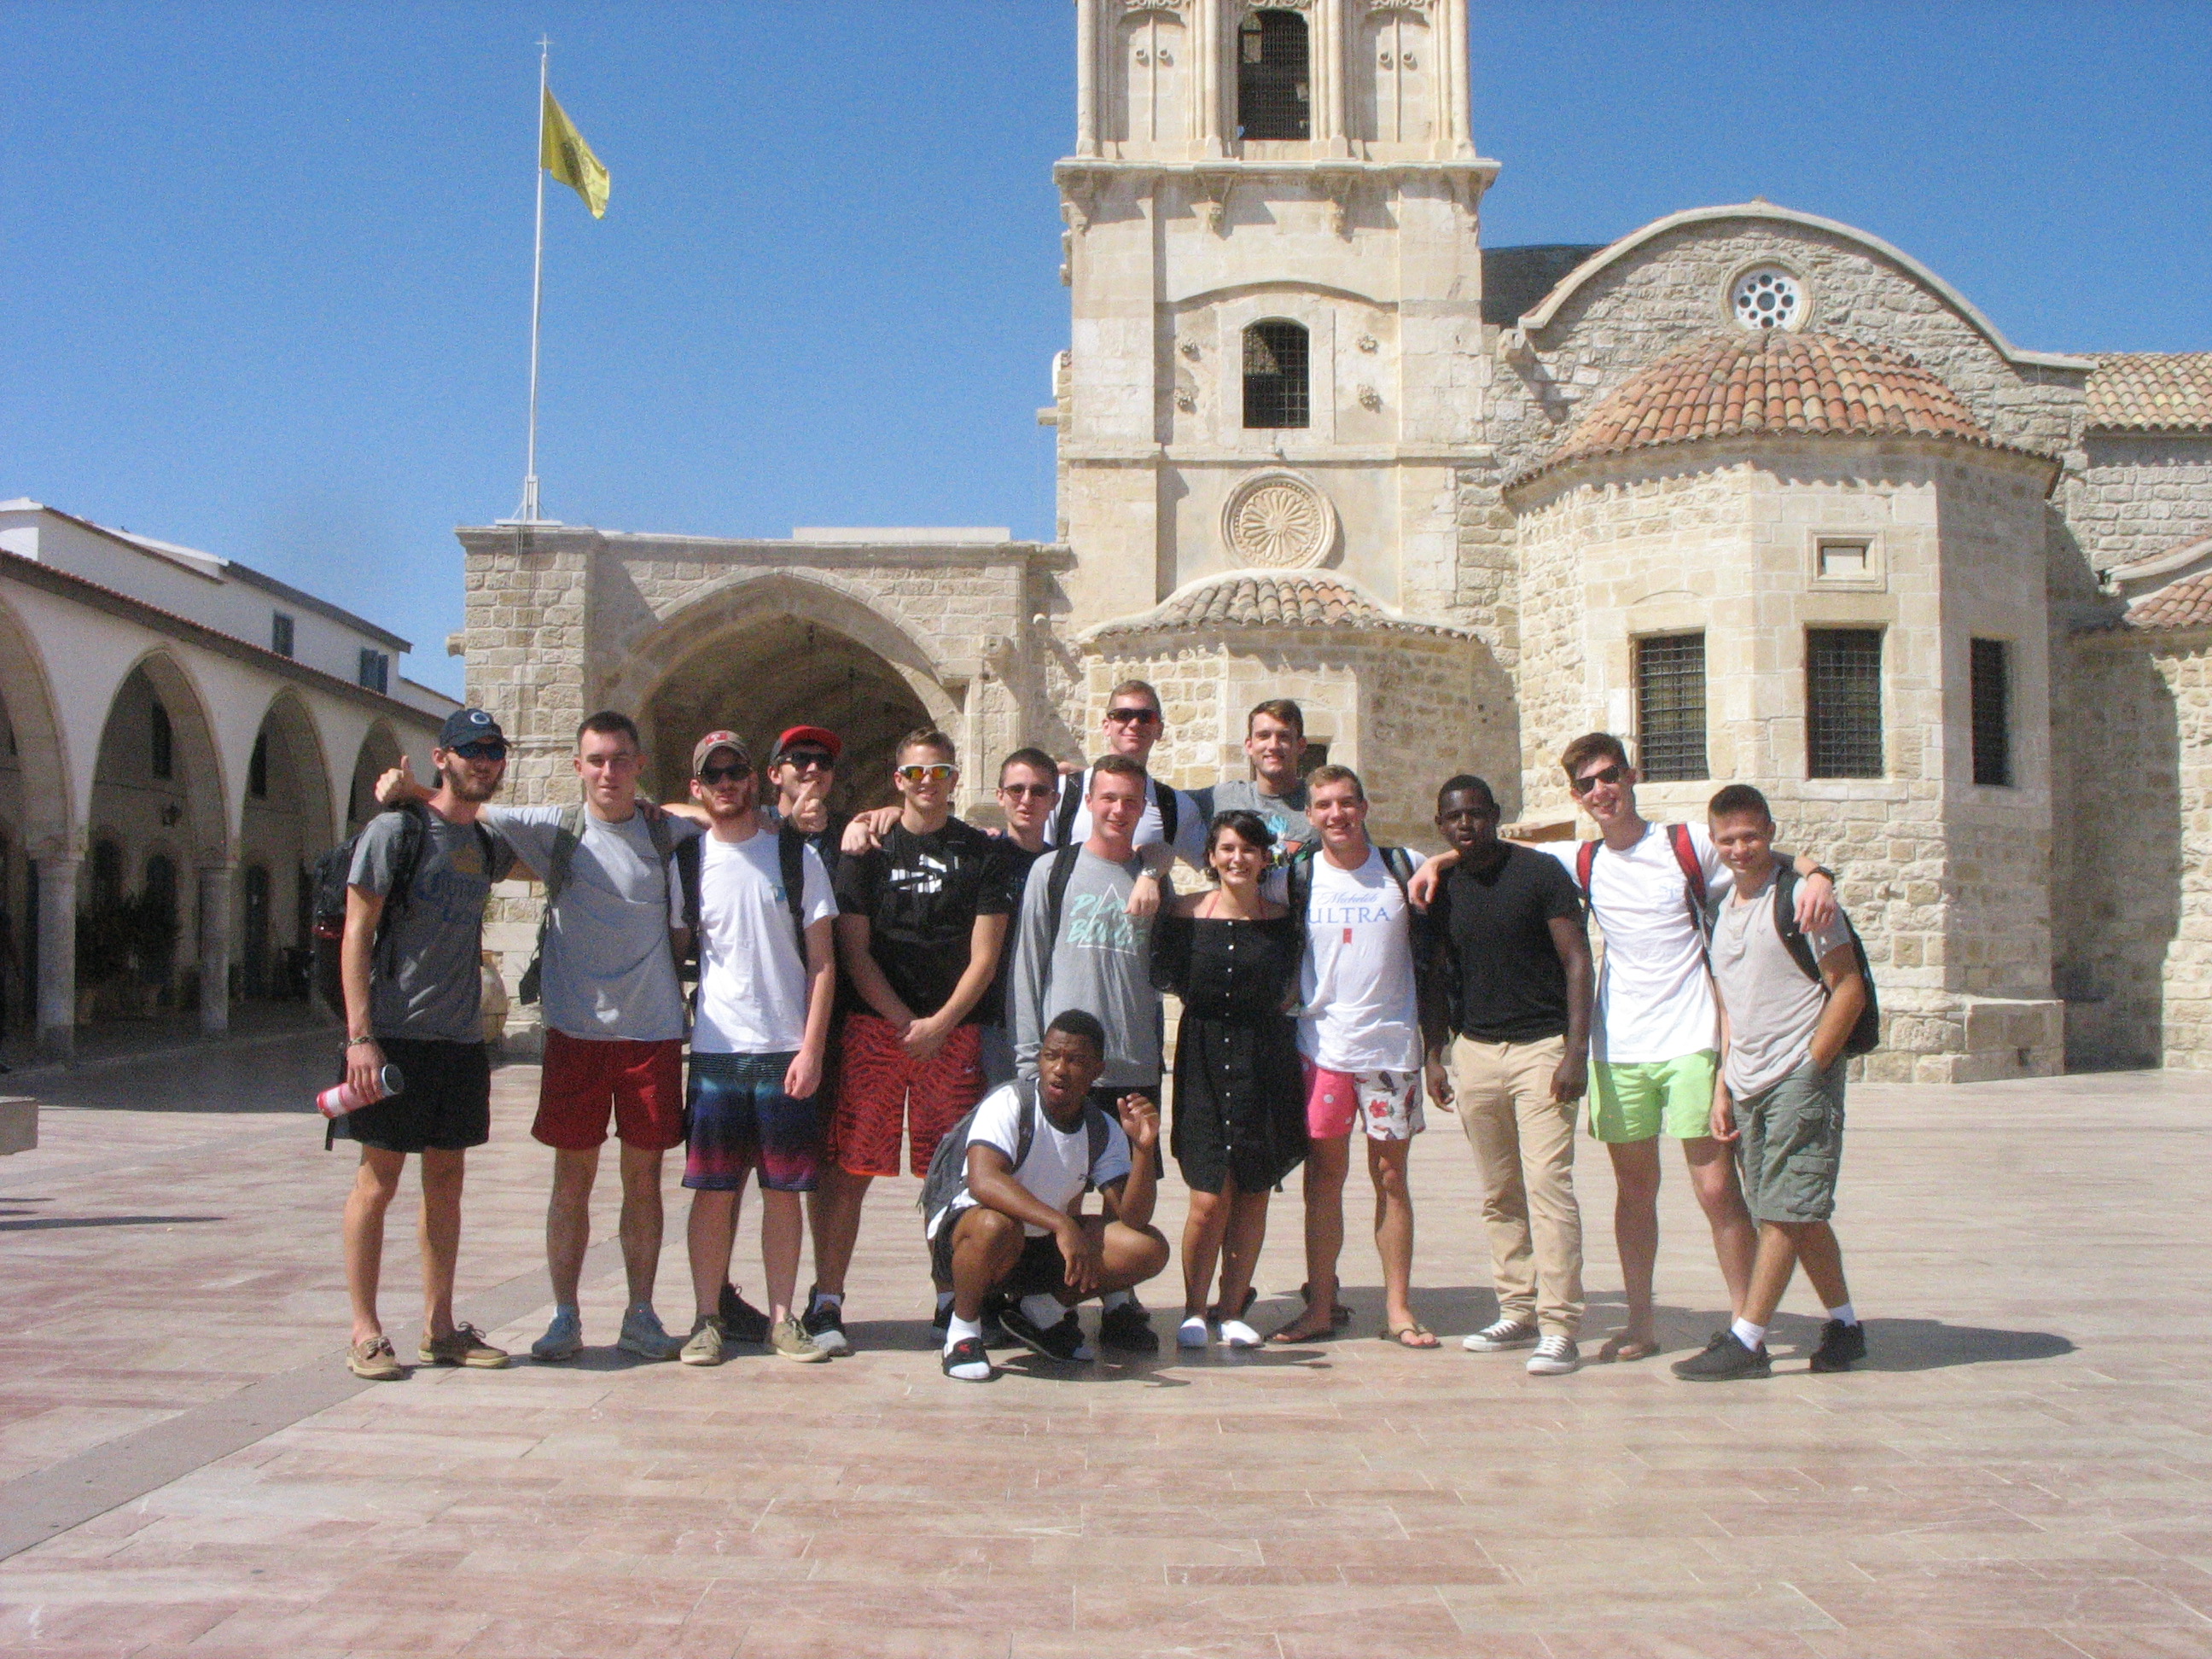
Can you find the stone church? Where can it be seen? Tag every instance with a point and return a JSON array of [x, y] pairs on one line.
[[1754, 488]]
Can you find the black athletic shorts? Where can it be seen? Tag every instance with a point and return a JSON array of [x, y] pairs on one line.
[[445, 1104], [1037, 1270]]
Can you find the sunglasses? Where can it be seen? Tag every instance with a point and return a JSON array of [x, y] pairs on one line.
[[934, 772], [1035, 791], [1132, 716], [481, 750], [808, 760], [735, 772], [1612, 774]]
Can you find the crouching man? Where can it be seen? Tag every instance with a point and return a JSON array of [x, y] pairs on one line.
[[1012, 1228]]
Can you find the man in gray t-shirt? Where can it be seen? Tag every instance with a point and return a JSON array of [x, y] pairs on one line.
[[1779, 1098], [421, 877], [1275, 743]]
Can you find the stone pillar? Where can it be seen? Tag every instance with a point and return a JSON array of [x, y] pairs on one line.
[[1206, 83], [1450, 73], [1088, 51], [57, 988], [215, 949]]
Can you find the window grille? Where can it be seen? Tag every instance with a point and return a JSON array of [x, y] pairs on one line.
[[1275, 388], [160, 743], [375, 670], [1843, 703], [1274, 81], [280, 633], [1992, 693], [1670, 706]]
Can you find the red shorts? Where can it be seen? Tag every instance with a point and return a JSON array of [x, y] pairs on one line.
[[879, 1088], [642, 1082]]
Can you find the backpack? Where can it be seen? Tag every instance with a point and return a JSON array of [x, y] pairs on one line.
[[791, 864], [568, 836], [1071, 797], [948, 1166], [333, 873], [1866, 1031], [1686, 855]]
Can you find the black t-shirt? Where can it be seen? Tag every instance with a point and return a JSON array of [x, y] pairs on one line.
[[1512, 986], [1014, 862], [921, 895]]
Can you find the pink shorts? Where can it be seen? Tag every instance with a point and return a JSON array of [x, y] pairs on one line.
[[1387, 1102]]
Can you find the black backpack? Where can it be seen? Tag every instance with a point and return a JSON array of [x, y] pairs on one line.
[[568, 836], [948, 1165], [1071, 797], [1866, 1030], [332, 875], [1429, 990], [791, 864]]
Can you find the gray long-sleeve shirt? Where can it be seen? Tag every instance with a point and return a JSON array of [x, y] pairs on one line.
[[1101, 963]]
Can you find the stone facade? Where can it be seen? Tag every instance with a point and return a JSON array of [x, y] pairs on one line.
[[1412, 550]]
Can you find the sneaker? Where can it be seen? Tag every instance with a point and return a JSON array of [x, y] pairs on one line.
[[741, 1320], [705, 1347], [563, 1339], [1506, 1333], [464, 1345], [1235, 1334], [1191, 1332], [825, 1323], [789, 1338], [1725, 1359], [1063, 1342], [968, 1361], [1129, 1328], [1555, 1356], [371, 1361], [644, 1336], [1840, 1343]]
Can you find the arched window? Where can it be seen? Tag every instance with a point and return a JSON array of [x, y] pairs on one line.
[[1274, 81], [256, 770], [106, 872], [1275, 374], [162, 741]]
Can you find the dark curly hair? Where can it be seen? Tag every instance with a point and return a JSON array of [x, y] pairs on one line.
[[1250, 828]]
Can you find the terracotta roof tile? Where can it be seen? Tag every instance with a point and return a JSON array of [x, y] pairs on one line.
[[1268, 599], [2152, 391], [1730, 385], [2186, 603]]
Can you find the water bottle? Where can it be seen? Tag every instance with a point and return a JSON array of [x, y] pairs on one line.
[[342, 1098]]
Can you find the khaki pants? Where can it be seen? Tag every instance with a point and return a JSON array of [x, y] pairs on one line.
[[1525, 1145]]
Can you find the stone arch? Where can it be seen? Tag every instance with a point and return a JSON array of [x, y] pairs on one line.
[[288, 719], [47, 823], [380, 751], [281, 833], [200, 792]]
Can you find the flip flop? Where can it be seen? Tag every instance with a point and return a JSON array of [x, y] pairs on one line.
[[1621, 1348], [1290, 1335], [1400, 1333], [1338, 1315]]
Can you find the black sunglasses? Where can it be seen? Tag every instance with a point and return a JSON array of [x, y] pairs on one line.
[[1612, 774], [731, 773], [1132, 716], [803, 758], [481, 750]]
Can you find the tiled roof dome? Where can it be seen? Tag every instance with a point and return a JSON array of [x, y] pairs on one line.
[[2152, 391], [1266, 598], [1730, 385]]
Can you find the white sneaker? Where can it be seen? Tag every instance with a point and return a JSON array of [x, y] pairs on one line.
[[1191, 1332], [1555, 1356], [644, 1336], [1235, 1334], [563, 1339], [1498, 1338]]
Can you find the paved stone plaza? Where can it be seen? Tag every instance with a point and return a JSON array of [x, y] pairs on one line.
[[2022, 1471]]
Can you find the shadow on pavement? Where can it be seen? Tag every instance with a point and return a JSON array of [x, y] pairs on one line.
[[1924, 1345], [43, 1221]]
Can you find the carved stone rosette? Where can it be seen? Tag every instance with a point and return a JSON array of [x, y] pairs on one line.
[[1278, 520]]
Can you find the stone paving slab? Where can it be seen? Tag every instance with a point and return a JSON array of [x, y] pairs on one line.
[[2023, 1469]]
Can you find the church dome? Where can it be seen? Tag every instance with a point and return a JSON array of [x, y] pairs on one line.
[[1744, 385]]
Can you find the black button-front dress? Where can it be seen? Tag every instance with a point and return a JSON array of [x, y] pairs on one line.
[[1239, 1101]]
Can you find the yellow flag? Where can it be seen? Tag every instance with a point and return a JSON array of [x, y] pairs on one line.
[[563, 152]]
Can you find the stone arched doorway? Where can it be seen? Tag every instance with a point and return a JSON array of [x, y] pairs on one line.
[[764, 671], [284, 826], [379, 753]]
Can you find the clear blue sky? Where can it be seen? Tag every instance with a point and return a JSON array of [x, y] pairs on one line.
[[267, 288]]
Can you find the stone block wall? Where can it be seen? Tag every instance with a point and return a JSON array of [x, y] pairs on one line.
[[2141, 495]]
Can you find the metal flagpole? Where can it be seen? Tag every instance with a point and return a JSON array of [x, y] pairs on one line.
[[529, 513]]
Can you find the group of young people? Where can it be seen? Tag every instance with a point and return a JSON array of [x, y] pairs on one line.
[[993, 1004]]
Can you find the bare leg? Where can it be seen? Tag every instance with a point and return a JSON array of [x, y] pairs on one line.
[[1735, 1241], [834, 1209], [1201, 1245], [1823, 1261], [1394, 1226], [1240, 1256], [1128, 1256], [985, 1244], [1777, 1259], [783, 1227], [1327, 1162], [641, 1220], [374, 1184], [440, 1172], [710, 1235], [568, 1219], [1635, 1230]]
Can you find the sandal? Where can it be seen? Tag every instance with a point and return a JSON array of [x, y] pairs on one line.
[[1299, 1331], [1621, 1348], [1405, 1336], [1338, 1315]]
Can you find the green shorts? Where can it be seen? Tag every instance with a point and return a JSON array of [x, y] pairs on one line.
[[1635, 1100]]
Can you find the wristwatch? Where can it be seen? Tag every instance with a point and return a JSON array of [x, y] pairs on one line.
[[355, 1043]]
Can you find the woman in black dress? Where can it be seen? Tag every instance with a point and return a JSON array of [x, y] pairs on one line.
[[1240, 1121]]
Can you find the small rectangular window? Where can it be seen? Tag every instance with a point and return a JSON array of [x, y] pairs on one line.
[[280, 633], [1843, 560], [375, 670], [1670, 706], [1992, 678], [1843, 703]]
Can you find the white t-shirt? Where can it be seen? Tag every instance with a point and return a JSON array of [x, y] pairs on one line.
[[1355, 983], [1190, 821], [752, 976], [1654, 1001], [1058, 1168]]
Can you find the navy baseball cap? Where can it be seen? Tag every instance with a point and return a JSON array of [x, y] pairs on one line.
[[469, 726]]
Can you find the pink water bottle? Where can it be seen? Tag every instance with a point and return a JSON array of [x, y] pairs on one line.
[[342, 1098]]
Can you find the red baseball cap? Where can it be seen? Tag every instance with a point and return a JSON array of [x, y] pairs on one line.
[[820, 735]]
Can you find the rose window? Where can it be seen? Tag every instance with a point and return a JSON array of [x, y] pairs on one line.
[[1768, 298]]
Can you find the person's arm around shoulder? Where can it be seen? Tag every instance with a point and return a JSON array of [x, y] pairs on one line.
[[991, 1183], [1152, 883], [1129, 1198], [865, 831], [1428, 876]]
